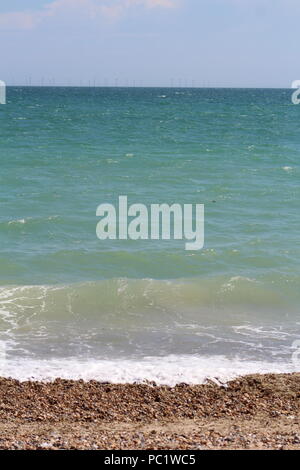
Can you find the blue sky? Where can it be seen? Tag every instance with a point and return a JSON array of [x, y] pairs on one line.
[[150, 42]]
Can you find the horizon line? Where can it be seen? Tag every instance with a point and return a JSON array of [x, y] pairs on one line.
[[150, 86]]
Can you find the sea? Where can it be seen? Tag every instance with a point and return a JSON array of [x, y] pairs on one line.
[[74, 306]]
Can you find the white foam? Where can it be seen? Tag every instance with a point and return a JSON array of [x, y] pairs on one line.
[[287, 168], [19, 221], [169, 370]]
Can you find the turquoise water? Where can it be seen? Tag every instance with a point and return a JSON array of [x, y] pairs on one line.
[[69, 300]]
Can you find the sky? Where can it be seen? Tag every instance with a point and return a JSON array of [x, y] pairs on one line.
[[229, 43]]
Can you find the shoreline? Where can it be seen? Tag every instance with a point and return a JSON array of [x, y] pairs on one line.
[[251, 412]]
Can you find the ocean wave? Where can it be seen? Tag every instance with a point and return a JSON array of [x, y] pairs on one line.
[[223, 300], [169, 370], [126, 319]]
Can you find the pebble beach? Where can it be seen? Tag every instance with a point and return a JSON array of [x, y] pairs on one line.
[[252, 412]]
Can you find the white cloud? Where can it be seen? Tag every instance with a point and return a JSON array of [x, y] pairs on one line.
[[25, 20]]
